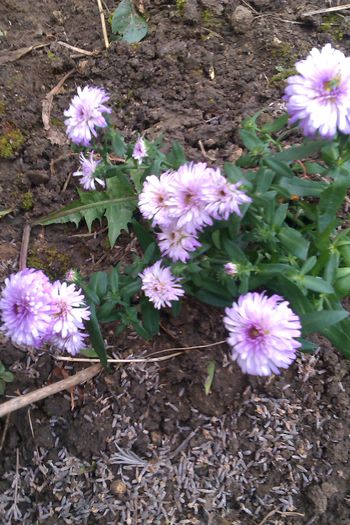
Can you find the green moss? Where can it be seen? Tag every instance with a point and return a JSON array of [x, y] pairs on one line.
[[10, 143], [52, 56], [52, 261], [57, 122], [280, 77], [333, 24], [209, 19], [27, 202], [180, 5]]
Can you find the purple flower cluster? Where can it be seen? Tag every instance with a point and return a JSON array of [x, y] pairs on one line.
[[183, 202], [35, 312], [319, 96], [160, 285], [263, 333], [85, 113]]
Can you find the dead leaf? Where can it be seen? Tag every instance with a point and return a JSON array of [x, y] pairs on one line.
[[13, 55], [57, 137], [47, 102]]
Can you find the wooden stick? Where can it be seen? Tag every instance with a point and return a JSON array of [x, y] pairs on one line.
[[46, 391], [103, 24], [327, 10], [24, 247]]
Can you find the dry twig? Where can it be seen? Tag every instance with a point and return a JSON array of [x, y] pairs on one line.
[[47, 102], [103, 24], [15, 54], [78, 50], [6, 426], [46, 391], [283, 514], [326, 10]]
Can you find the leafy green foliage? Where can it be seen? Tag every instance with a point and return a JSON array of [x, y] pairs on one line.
[[5, 377], [128, 23]]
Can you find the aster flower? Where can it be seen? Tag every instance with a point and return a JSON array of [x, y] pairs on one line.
[[223, 198], [140, 150], [187, 200], [70, 309], [73, 343], [160, 285], [262, 333], [26, 308], [85, 113], [177, 244], [319, 96], [231, 269], [87, 172], [153, 200]]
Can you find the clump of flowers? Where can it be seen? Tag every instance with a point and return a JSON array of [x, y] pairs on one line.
[[85, 114], [36, 312], [263, 333], [319, 96], [160, 285], [87, 172], [182, 203]]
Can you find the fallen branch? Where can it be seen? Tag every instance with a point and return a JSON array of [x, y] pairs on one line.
[[326, 10], [103, 24], [46, 391]]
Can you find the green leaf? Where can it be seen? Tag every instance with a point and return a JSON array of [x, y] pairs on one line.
[[276, 125], [252, 142], [307, 346], [330, 201], [96, 338], [294, 242], [279, 167], [131, 26], [106, 312], [7, 376], [299, 152], [316, 284], [114, 280], [210, 377], [99, 283], [176, 156], [118, 217], [319, 321], [88, 352], [339, 336], [143, 234], [302, 187], [212, 299], [308, 265], [118, 143], [150, 317]]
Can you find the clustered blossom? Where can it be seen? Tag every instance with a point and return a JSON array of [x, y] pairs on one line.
[[85, 114], [231, 269], [140, 150], [183, 202], [35, 312], [263, 333], [87, 172], [160, 285], [319, 96]]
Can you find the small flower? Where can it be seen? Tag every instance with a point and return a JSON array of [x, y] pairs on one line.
[[319, 96], [26, 308], [160, 285], [72, 275], [140, 150], [153, 201], [73, 343], [187, 200], [85, 113], [177, 244], [87, 172], [223, 198], [263, 332], [231, 269], [70, 309]]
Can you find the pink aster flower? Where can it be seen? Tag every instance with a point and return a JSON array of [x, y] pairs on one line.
[[223, 198], [85, 113], [187, 201], [70, 309], [140, 150], [160, 285], [177, 244], [26, 308], [319, 96], [73, 343], [231, 269], [262, 333], [87, 172], [153, 201]]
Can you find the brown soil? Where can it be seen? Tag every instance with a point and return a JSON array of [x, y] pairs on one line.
[[252, 449]]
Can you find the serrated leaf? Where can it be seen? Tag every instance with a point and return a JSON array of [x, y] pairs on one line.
[[126, 22], [118, 217]]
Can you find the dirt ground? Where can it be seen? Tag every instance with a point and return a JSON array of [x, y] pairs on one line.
[[144, 444]]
